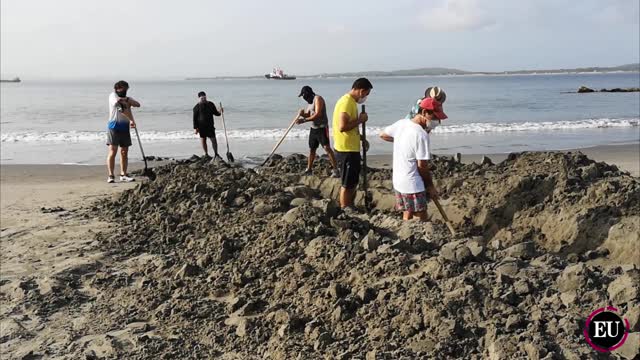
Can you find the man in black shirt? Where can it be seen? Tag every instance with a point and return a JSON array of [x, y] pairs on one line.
[[203, 114]]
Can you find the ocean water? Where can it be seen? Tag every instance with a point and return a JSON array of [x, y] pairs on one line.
[[65, 121]]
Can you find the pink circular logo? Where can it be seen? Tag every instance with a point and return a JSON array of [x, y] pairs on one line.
[[605, 330]]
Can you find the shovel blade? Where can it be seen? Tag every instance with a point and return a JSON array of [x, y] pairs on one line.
[[230, 157], [149, 174]]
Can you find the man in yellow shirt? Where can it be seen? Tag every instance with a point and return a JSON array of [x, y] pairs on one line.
[[346, 138]]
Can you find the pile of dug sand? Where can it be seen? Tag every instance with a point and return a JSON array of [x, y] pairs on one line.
[[218, 261]]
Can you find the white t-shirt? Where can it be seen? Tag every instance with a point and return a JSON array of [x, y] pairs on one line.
[[410, 144], [117, 121]]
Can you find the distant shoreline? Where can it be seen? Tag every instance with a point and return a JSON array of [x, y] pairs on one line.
[[424, 72], [305, 77]]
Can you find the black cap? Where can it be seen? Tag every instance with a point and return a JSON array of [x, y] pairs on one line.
[[305, 90], [201, 93]]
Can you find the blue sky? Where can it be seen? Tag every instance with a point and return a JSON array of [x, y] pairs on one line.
[[174, 39]]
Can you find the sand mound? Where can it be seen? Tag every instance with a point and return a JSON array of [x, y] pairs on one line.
[[238, 263], [564, 202], [276, 270]]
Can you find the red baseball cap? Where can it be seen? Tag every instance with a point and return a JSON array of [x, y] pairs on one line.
[[435, 106]]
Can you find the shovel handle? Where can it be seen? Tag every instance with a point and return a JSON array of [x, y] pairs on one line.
[[224, 126], [365, 183], [441, 210], [140, 144], [295, 119], [445, 217]]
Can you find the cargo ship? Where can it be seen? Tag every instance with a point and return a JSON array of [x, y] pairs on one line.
[[278, 74]]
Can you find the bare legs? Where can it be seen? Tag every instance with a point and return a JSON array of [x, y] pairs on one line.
[[328, 150], [332, 156], [347, 196], [203, 142], [214, 145], [408, 215], [111, 159], [311, 159], [124, 160]]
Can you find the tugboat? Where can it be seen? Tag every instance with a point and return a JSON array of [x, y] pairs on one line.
[[278, 74], [14, 80]]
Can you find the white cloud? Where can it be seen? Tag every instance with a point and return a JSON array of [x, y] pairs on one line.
[[455, 15]]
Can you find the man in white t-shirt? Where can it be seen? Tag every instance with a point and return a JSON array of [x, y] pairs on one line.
[[118, 135], [412, 179]]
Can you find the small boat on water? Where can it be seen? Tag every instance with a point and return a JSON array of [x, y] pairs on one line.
[[14, 80], [278, 74]]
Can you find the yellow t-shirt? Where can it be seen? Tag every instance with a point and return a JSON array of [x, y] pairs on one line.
[[348, 141]]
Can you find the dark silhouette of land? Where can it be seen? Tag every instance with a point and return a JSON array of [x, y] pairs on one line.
[[436, 71]]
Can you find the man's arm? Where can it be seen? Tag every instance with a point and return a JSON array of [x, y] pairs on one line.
[[318, 106], [195, 117], [346, 123], [425, 173], [390, 132], [132, 122], [215, 109], [133, 102], [386, 137]]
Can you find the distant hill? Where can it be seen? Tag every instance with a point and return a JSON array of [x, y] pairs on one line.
[[435, 71], [410, 72], [628, 68]]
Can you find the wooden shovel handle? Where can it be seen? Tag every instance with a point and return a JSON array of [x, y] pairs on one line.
[[295, 119], [445, 217]]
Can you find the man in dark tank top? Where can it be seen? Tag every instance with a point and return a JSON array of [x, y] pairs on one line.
[[316, 113]]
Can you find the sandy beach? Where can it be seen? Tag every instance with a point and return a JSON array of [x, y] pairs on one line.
[[38, 203], [52, 254], [42, 237]]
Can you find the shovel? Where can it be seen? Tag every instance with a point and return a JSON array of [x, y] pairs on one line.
[[224, 126], [445, 217], [365, 184], [295, 119], [147, 172]]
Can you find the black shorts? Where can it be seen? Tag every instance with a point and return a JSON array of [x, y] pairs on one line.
[[207, 132], [318, 137], [118, 138], [349, 165]]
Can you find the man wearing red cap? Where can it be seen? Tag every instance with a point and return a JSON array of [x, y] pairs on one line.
[[412, 180], [431, 92]]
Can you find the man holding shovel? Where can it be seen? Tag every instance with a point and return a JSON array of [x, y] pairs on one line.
[[316, 113], [118, 135], [346, 137], [412, 179], [203, 124]]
